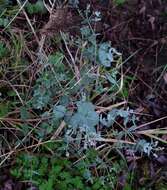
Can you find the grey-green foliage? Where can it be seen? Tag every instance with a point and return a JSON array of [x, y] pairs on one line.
[[127, 116], [85, 85], [96, 51], [74, 3], [102, 53], [106, 54], [146, 147], [42, 95], [59, 112], [49, 82], [90, 51], [82, 126], [4, 22], [85, 118]]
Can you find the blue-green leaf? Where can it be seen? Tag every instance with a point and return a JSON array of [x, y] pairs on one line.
[[85, 118], [105, 55], [59, 112]]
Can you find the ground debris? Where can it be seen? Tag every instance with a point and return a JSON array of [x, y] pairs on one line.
[[61, 19]]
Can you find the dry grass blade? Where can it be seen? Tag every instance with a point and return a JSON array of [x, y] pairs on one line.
[[21, 8], [58, 131], [28, 20], [109, 140], [109, 108], [151, 122], [18, 145]]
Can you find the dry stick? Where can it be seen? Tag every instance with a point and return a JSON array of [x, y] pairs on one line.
[[43, 38], [41, 43], [147, 85], [103, 109], [24, 120], [41, 52], [58, 131], [151, 122], [11, 124], [11, 152], [29, 22], [5, 140], [155, 137], [114, 141], [21, 7], [14, 89], [41, 143], [83, 157], [151, 134], [28, 147], [77, 73], [101, 146], [154, 131]]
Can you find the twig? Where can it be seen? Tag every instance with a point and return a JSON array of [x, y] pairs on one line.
[[21, 7], [151, 122], [103, 109], [58, 131]]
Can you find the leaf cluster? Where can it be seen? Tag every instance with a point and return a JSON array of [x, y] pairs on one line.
[[47, 173]]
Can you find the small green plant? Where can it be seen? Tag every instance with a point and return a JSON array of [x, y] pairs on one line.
[[127, 115], [4, 22], [102, 53], [3, 50], [4, 108], [35, 8], [49, 82], [119, 2], [47, 173], [3, 4]]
